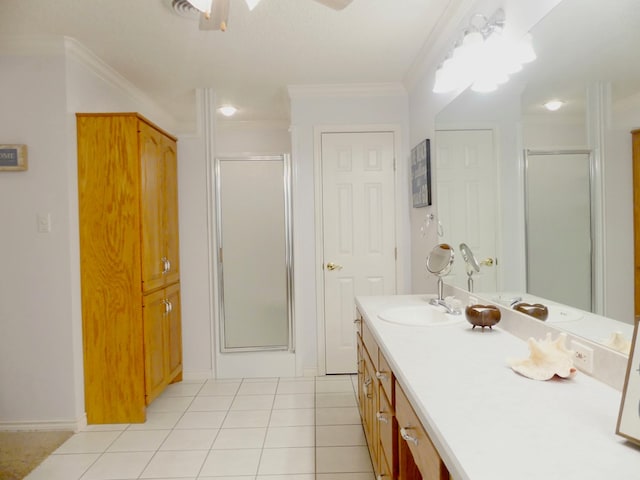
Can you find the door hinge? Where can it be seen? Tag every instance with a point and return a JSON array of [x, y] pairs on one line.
[[394, 164], [220, 255], [395, 253]]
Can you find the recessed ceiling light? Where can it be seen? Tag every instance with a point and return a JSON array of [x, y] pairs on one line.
[[553, 105], [227, 110]]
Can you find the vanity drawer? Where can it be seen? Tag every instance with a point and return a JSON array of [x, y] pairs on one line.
[[386, 425], [411, 431], [384, 469], [385, 376], [370, 344]]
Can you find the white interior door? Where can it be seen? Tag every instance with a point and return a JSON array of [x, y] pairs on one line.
[[358, 204], [467, 201]]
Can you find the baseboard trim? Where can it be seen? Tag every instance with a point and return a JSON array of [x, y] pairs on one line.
[[40, 426]]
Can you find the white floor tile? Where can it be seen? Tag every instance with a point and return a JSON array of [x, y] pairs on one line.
[[175, 464], [236, 438], [118, 465], [88, 442], [257, 388], [63, 467], [296, 400], [206, 420], [334, 386], [253, 402], [334, 378], [192, 439], [296, 387], [157, 421], [292, 417], [286, 461], [139, 441], [213, 387], [339, 435], [338, 416], [345, 399], [203, 403], [107, 427], [301, 476], [345, 476], [169, 404], [247, 419], [343, 460], [300, 436], [182, 389], [231, 462]]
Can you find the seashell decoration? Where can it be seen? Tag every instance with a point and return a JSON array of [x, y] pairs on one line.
[[618, 342], [547, 358]]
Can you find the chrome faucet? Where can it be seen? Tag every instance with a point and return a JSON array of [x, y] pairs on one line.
[[441, 303]]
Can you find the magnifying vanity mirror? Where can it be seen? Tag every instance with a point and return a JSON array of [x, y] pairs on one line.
[[439, 263], [471, 263], [506, 134]]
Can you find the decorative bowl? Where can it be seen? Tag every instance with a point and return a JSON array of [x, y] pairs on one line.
[[535, 310], [482, 315]]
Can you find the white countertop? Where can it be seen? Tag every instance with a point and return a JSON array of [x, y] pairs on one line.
[[489, 423]]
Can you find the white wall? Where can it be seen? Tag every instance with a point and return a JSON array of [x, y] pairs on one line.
[[41, 375], [311, 109]]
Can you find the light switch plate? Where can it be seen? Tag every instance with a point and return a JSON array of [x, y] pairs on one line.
[[44, 223]]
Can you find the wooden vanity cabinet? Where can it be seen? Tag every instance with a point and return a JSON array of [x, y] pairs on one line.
[[129, 266], [398, 443]]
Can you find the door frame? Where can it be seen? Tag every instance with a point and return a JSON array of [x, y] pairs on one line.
[[399, 174]]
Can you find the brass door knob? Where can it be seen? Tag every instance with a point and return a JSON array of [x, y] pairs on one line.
[[487, 262], [333, 266]]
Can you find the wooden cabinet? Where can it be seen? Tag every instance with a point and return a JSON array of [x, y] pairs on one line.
[[398, 443], [128, 215]]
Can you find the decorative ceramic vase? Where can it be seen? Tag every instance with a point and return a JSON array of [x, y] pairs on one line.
[[482, 315]]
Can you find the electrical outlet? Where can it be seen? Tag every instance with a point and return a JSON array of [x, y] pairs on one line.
[[583, 357]]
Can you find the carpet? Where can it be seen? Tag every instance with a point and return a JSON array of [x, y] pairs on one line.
[[21, 452]]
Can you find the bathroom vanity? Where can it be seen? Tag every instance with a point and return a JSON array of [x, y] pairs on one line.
[[440, 402]]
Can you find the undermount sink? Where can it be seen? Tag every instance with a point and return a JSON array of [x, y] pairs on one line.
[[560, 313], [418, 316]]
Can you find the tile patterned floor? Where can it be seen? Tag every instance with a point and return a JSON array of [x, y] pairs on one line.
[[245, 429]]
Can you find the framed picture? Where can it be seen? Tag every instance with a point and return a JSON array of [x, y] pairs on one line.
[[629, 417], [13, 157], [421, 174]]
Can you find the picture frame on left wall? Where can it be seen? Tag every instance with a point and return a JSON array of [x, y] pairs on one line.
[[629, 417], [13, 157], [421, 174]]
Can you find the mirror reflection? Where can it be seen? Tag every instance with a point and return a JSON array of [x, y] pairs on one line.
[[549, 193]]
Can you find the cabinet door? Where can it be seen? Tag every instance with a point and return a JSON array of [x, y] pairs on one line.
[[155, 312], [152, 175], [170, 207], [174, 334]]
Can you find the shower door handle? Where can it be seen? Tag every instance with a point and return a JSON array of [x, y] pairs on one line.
[[333, 266]]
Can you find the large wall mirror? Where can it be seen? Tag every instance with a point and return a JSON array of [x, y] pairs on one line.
[[567, 168]]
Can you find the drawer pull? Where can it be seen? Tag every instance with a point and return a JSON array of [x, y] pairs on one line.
[[381, 375], [381, 418], [381, 476], [408, 438], [357, 320]]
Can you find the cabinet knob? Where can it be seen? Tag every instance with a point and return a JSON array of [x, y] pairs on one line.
[[164, 265], [408, 438], [381, 418], [168, 307], [381, 375]]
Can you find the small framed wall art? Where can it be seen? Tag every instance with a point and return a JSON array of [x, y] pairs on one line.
[[13, 157], [629, 417], [421, 174]]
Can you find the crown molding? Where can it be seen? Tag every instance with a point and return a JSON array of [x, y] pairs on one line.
[[347, 90]]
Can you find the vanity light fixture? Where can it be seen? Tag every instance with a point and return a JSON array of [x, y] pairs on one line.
[[553, 105], [227, 110], [205, 5], [483, 57]]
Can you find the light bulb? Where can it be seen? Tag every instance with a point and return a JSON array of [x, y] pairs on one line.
[[252, 4], [203, 5], [227, 110], [553, 105]]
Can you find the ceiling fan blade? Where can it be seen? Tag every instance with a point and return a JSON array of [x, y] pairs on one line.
[[335, 4], [218, 18]]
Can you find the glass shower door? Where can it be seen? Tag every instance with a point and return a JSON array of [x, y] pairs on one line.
[[254, 253]]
